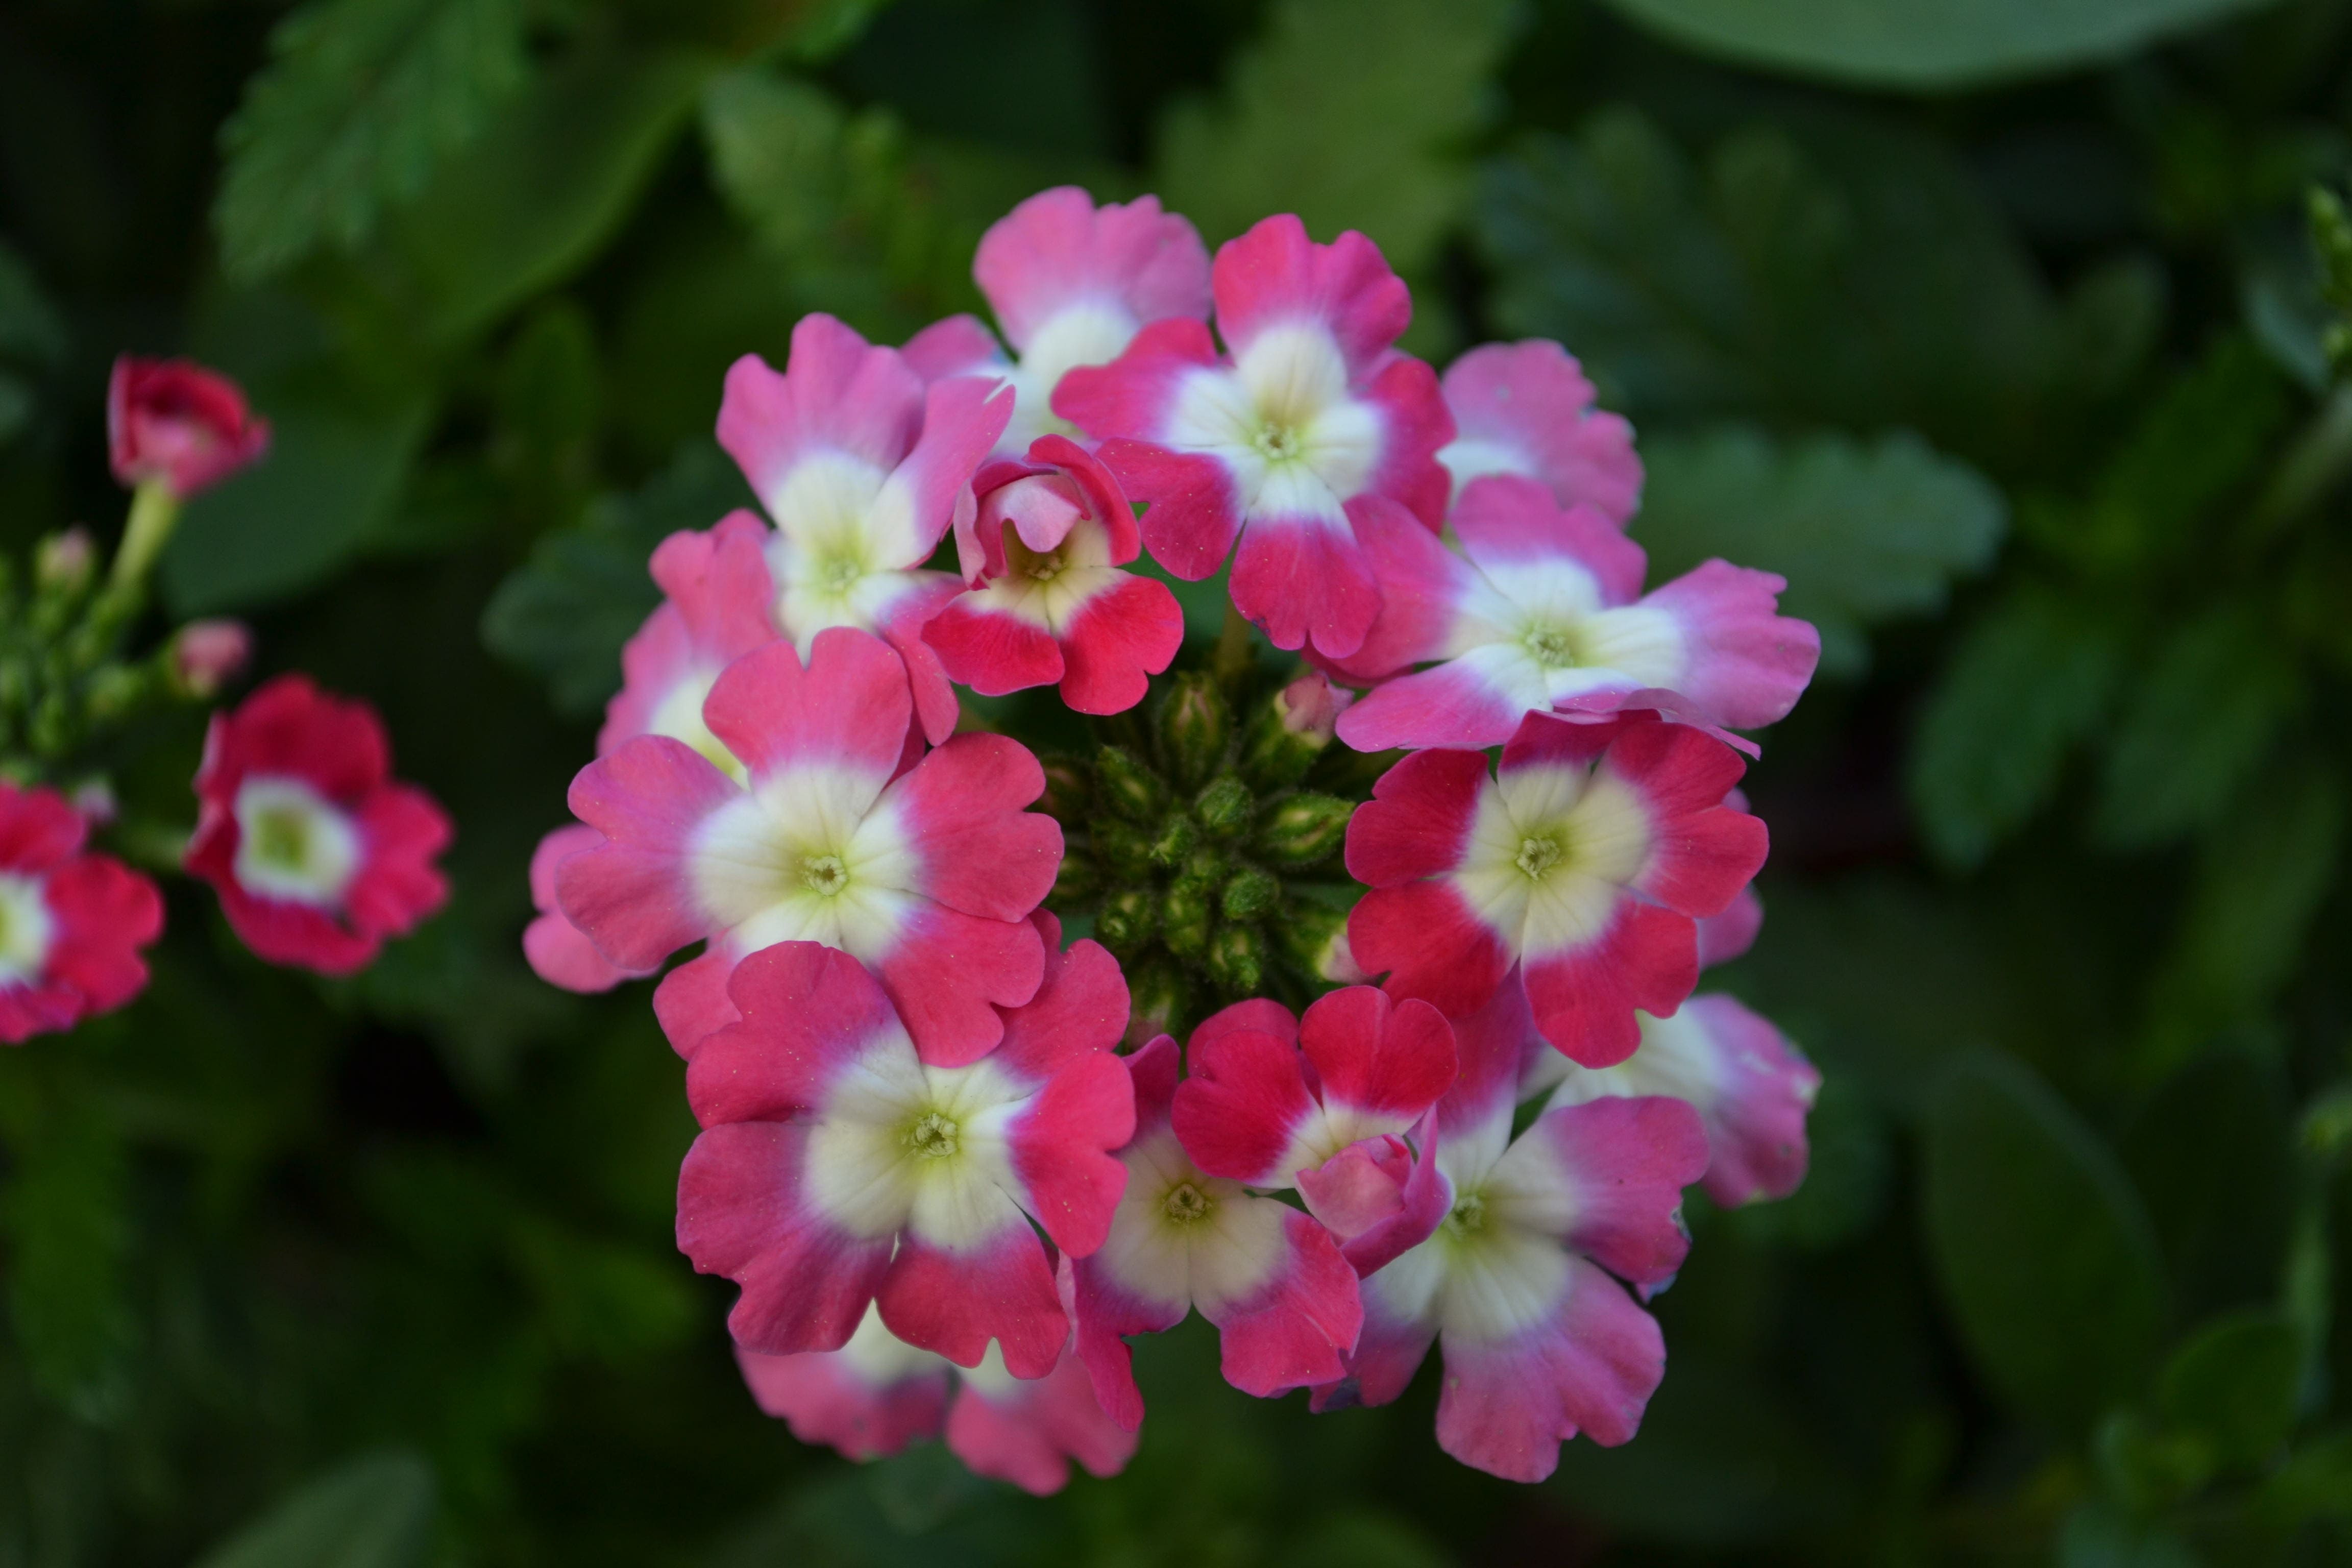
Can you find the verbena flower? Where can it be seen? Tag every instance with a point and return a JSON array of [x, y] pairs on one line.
[[1071, 284], [1527, 409], [172, 421], [837, 1166], [1278, 442], [1580, 868], [318, 854], [1048, 604], [71, 923], [1515, 1287], [1540, 608], [925, 873], [863, 472]]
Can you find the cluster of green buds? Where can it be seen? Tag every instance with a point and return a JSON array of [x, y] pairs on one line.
[[64, 679], [1204, 836]]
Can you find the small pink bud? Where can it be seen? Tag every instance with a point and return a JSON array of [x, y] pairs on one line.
[[208, 655], [1310, 707], [175, 422], [94, 798], [65, 560]]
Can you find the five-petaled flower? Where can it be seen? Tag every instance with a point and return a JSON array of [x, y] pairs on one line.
[[71, 923], [1515, 1285], [862, 472], [1541, 609], [1584, 864], [1260, 1114], [1071, 284], [1048, 601], [837, 1166], [318, 854], [1279, 444], [174, 423], [926, 874]]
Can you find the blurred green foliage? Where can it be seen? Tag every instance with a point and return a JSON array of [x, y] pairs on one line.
[[2000, 329]]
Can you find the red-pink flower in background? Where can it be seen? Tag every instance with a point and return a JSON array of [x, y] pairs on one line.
[[174, 421], [71, 923], [318, 854]]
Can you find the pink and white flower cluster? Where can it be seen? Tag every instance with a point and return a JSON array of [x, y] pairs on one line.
[[924, 1144]]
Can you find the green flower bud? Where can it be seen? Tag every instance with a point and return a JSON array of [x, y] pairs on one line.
[[1304, 828], [1314, 938], [1291, 729], [1195, 726], [1160, 1000], [65, 563], [1237, 959], [1123, 847], [1127, 786], [1250, 894], [116, 688], [1225, 807], [1067, 789], [1126, 920], [1176, 841], [1077, 880], [1186, 917], [1204, 870]]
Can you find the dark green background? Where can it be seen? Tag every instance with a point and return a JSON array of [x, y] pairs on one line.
[[1994, 324]]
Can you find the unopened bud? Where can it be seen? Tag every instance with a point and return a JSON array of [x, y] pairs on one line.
[[1204, 870], [1126, 920], [1293, 728], [1076, 882], [1177, 839], [94, 799], [1067, 789], [116, 688], [1195, 726], [1127, 786], [1185, 920], [1314, 938], [1237, 959], [1250, 894], [65, 563], [1304, 828], [1124, 847], [1159, 999], [208, 655], [1225, 807]]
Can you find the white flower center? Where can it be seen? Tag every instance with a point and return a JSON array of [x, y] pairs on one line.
[[810, 855], [1551, 850], [678, 715], [293, 844], [1551, 646], [26, 928]]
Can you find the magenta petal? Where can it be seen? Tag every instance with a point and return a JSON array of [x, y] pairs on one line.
[[1384, 1060], [1106, 1314], [1388, 1351], [691, 1002], [1625, 1163], [825, 1400], [1588, 1368], [1237, 1112], [1528, 406], [1422, 585], [848, 708], [1584, 997], [805, 1281], [954, 1303], [1060, 1148], [1057, 249], [992, 651], [1360, 1186], [1730, 931], [1080, 1007], [1745, 664], [949, 974], [807, 1015], [630, 895], [1430, 943], [961, 809], [1296, 1332], [1194, 512], [1118, 639], [1503, 522], [1132, 396], [1415, 426], [1421, 1207], [956, 345], [1273, 276], [1704, 851], [1452, 705], [1417, 822], [1304, 579], [837, 393], [1028, 1435], [1764, 1088]]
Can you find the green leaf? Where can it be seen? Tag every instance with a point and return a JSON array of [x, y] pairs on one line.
[[2098, 1536], [2045, 1258], [1864, 532], [31, 331], [2316, 1482], [361, 101], [564, 614], [375, 1512], [539, 192], [2208, 1155], [2237, 1382], [1349, 114], [2022, 686], [1826, 266], [2203, 716], [1924, 45]]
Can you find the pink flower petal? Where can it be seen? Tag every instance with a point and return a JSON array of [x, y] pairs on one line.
[[1027, 1432], [1527, 409], [1505, 521], [848, 708], [1118, 639], [1744, 663], [1304, 579], [1621, 1165], [953, 1302], [825, 1400], [1275, 276], [837, 393], [1057, 248]]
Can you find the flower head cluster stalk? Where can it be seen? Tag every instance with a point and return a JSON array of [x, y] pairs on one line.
[[1348, 1002], [317, 854]]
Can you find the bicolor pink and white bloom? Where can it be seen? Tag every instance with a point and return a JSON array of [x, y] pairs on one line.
[[838, 1167], [318, 854], [1048, 603], [1527, 409], [877, 1394], [716, 603], [71, 923], [927, 873], [1541, 609], [1584, 864], [1751, 1087], [863, 470], [175, 423], [1071, 284], [1541, 1343], [1279, 442]]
